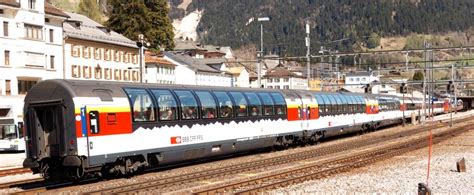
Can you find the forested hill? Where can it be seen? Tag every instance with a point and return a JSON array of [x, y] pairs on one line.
[[224, 21]]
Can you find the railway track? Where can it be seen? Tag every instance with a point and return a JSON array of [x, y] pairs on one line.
[[20, 183], [14, 171], [329, 167], [180, 180]]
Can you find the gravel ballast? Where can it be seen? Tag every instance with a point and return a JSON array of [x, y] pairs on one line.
[[403, 173]]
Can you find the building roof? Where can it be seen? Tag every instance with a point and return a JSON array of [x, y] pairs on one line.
[[81, 27], [12, 3], [281, 72], [153, 58], [191, 62], [182, 45], [210, 61], [50, 9], [236, 70]]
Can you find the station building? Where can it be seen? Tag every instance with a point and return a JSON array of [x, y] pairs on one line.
[[31, 50]]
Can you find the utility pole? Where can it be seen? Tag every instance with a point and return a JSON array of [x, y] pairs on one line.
[[406, 63], [423, 105], [259, 68], [308, 57], [141, 40]]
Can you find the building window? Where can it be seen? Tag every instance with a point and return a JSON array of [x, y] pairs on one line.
[[107, 54], [135, 59], [75, 51], [126, 57], [76, 71], [51, 62], [97, 52], [8, 90], [286, 80], [98, 72], [87, 72], [86, 52], [118, 74], [277, 87], [51, 35], [34, 32], [126, 75], [135, 75], [5, 29], [286, 87], [121, 58], [7, 58], [24, 86], [117, 56], [108, 73], [31, 4]]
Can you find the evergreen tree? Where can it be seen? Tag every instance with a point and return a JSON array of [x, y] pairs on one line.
[[418, 76], [373, 41], [147, 17], [90, 9]]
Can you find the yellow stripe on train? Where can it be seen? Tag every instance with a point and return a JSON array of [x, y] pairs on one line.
[[104, 109]]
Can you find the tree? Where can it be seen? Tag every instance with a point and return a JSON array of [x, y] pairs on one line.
[[418, 76], [147, 17], [90, 8], [373, 41]]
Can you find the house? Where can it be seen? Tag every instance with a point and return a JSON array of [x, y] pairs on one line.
[[158, 69], [282, 78], [30, 50], [94, 52], [240, 76], [191, 71]]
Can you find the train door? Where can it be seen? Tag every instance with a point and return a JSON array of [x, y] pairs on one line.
[[90, 126], [47, 130], [85, 133], [305, 110]]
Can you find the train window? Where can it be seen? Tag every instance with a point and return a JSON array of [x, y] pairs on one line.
[[354, 104], [94, 122], [142, 105], [334, 106], [268, 108], [241, 103], [344, 102], [321, 104], [347, 104], [189, 106], [361, 104], [280, 104], [225, 105], [208, 104], [327, 104], [167, 106], [255, 104]]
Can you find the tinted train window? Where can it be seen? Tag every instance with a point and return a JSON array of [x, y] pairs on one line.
[[327, 103], [255, 104], [225, 105], [189, 106], [321, 104], [241, 103], [208, 104], [267, 104], [167, 106], [142, 105], [280, 104], [333, 101]]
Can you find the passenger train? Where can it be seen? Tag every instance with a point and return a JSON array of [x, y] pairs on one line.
[[76, 129]]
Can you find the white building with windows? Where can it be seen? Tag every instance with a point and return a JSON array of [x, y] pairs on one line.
[[159, 70], [30, 50], [282, 78], [93, 52], [191, 71]]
